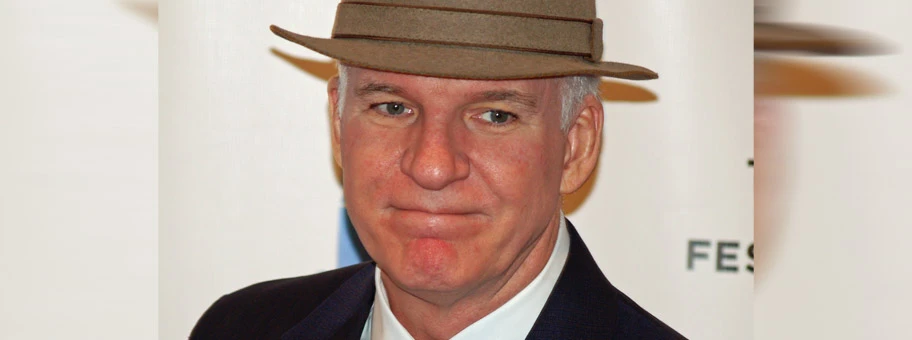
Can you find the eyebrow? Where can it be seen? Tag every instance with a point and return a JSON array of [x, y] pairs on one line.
[[528, 101], [371, 88], [523, 99]]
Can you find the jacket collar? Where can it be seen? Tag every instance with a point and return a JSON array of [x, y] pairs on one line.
[[343, 314], [571, 311]]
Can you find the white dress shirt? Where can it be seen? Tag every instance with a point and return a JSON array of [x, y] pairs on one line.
[[513, 320]]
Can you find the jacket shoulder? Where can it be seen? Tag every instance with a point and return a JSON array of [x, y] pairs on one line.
[[636, 323], [266, 310]]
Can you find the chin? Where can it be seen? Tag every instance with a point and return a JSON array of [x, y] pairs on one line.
[[430, 265]]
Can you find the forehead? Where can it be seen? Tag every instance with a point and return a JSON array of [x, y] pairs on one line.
[[358, 78]]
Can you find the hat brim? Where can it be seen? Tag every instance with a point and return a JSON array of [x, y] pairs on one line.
[[802, 38], [446, 61]]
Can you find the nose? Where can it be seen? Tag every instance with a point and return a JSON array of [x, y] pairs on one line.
[[435, 158]]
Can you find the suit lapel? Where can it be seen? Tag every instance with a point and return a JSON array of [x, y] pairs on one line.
[[343, 314], [583, 303]]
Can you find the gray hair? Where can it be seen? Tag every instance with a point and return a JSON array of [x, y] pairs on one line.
[[343, 83], [573, 90]]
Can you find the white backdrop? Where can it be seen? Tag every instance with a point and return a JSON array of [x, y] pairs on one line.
[[78, 170], [248, 192], [841, 269]]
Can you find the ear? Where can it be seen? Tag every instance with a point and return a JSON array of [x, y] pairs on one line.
[[334, 118], [584, 142]]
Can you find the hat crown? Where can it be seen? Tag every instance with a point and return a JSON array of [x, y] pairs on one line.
[[470, 39], [535, 26], [573, 9]]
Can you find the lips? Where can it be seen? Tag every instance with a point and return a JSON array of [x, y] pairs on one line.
[[430, 206], [437, 211], [437, 222]]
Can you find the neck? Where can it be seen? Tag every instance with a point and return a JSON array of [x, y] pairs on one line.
[[442, 315]]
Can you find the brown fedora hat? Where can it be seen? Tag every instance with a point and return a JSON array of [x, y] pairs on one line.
[[470, 39]]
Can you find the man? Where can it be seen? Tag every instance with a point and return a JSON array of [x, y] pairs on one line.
[[458, 126]]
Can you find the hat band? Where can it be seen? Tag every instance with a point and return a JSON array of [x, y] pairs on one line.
[[460, 27]]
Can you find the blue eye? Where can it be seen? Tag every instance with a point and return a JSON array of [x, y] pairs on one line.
[[393, 109], [498, 117]]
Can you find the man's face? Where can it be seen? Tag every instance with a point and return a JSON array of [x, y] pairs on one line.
[[451, 184]]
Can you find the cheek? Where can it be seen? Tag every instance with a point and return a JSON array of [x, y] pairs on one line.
[[369, 158], [520, 168]]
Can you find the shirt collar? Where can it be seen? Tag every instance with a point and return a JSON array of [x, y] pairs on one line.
[[513, 320]]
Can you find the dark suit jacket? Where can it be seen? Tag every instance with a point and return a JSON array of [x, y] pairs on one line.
[[336, 304]]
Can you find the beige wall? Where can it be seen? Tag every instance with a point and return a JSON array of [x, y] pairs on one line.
[[841, 269], [247, 190], [236, 174], [78, 170], [247, 186]]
